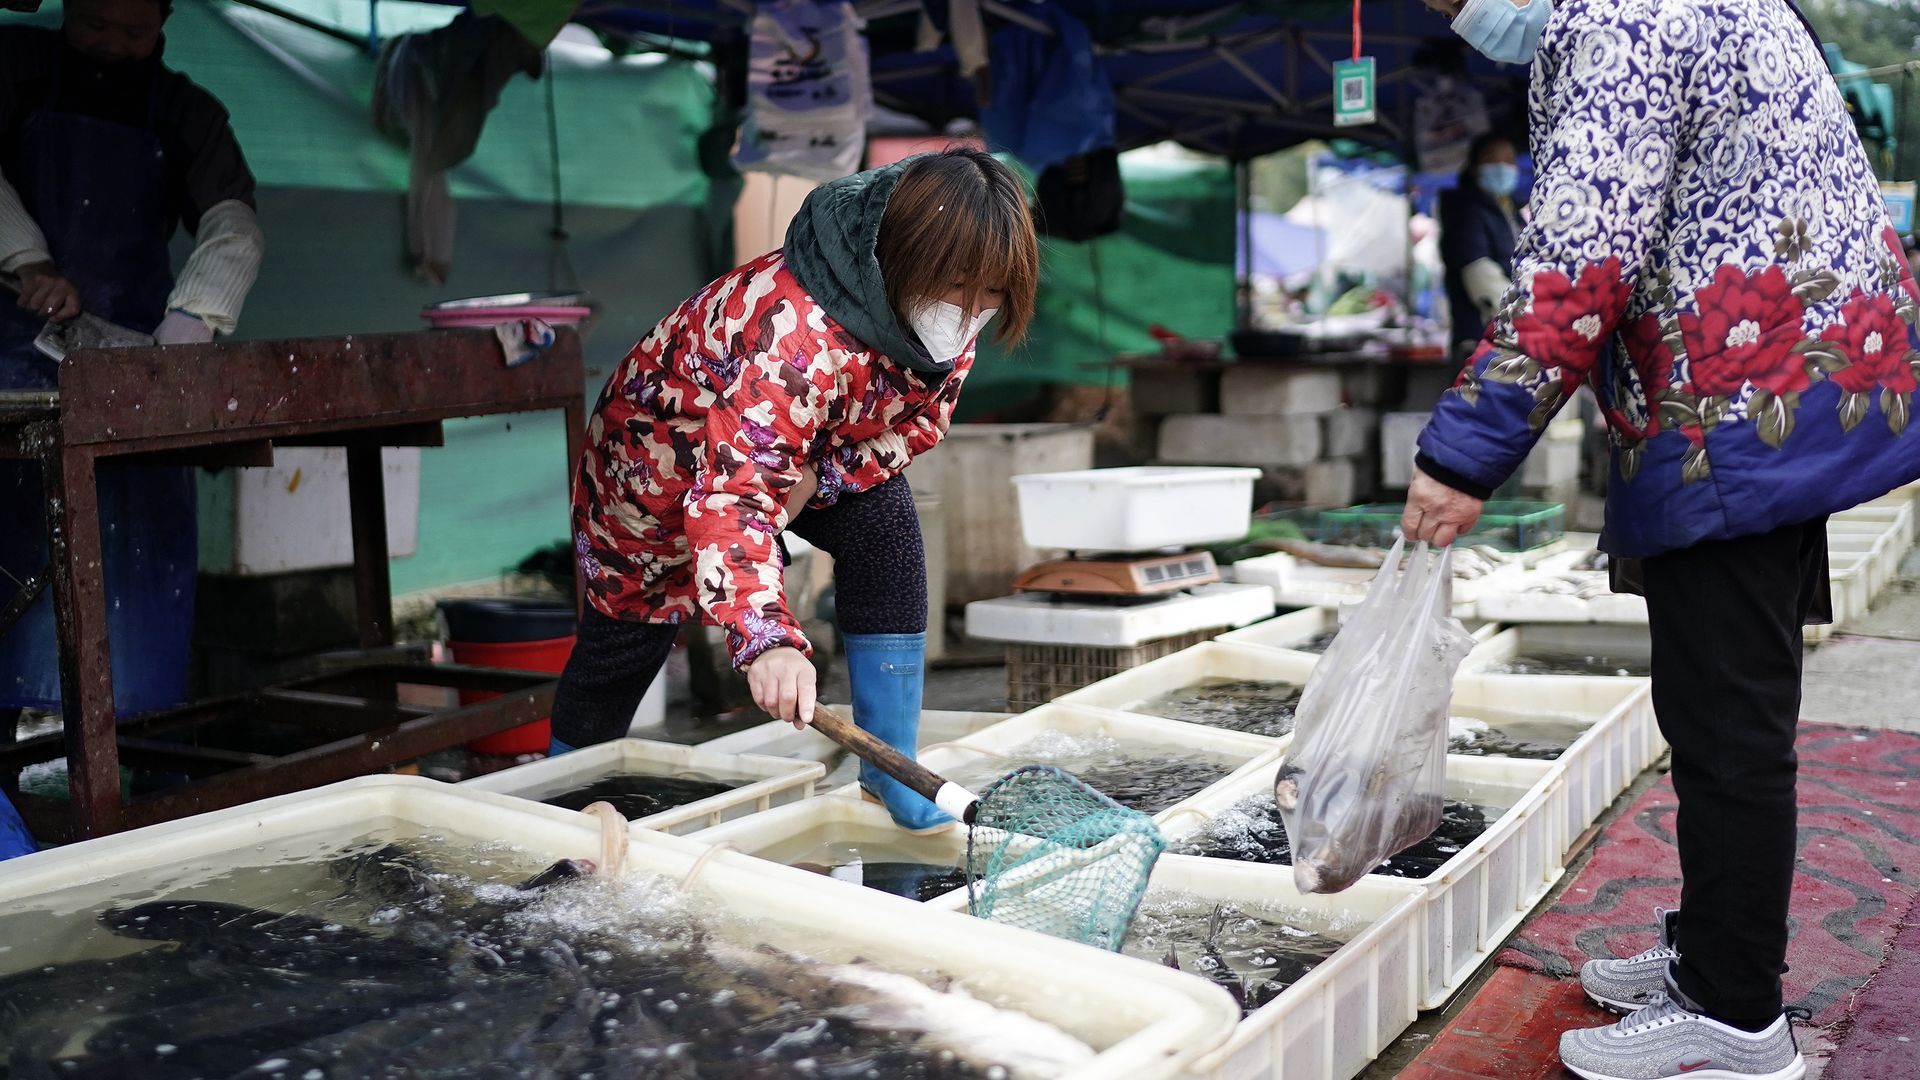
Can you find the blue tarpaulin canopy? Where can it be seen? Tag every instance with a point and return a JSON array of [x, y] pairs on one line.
[[1235, 79]]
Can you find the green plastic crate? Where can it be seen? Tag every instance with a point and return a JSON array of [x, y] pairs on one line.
[[1510, 525]]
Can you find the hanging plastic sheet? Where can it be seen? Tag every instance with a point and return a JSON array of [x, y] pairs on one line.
[[809, 94]]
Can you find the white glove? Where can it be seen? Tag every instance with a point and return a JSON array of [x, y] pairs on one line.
[[180, 328], [1487, 285]]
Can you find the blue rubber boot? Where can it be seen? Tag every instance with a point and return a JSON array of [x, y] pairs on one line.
[[887, 675], [555, 747]]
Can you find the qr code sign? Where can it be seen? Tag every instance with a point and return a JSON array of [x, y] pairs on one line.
[[1353, 92]]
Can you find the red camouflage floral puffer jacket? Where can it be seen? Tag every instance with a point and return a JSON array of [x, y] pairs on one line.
[[704, 428]]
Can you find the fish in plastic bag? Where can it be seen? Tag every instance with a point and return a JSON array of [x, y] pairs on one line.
[[1366, 776]]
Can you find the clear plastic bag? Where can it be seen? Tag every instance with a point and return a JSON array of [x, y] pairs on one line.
[[1367, 772]]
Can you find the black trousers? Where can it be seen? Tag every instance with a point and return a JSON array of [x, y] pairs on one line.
[[1725, 619], [880, 587]]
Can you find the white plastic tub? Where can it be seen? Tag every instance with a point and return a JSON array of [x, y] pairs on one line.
[[779, 739], [1243, 754], [1621, 741], [1337, 1018], [1618, 641], [764, 782], [1048, 620], [1147, 1021], [1130, 691], [1478, 898], [791, 834], [1135, 509], [1289, 632]]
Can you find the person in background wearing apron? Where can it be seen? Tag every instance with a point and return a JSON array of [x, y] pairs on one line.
[[104, 152]]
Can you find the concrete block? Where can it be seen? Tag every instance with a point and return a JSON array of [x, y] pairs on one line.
[[1553, 463], [1399, 435], [1240, 440], [1333, 482], [1365, 384], [1250, 390], [1350, 431], [1164, 391]]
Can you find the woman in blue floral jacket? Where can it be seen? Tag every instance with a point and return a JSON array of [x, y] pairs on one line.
[[1703, 200]]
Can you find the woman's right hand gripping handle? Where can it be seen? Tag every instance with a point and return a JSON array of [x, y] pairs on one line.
[[782, 681]]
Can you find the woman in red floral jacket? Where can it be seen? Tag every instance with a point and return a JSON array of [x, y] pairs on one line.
[[790, 394]]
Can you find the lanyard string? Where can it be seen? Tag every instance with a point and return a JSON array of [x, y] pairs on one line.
[[1356, 29]]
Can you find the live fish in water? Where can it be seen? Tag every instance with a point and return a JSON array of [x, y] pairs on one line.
[[1251, 831], [1144, 778], [638, 795], [1254, 955], [412, 971], [1256, 706]]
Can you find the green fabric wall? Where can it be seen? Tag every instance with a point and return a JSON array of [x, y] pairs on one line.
[[1171, 263]]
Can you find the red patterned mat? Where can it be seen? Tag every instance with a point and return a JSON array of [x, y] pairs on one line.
[[1858, 875]]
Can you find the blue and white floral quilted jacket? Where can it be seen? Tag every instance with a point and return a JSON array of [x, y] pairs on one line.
[[1703, 200]]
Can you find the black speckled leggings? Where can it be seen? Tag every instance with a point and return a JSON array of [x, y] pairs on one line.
[[880, 587]]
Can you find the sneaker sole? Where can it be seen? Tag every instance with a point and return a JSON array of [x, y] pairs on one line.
[[1621, 1007], [1795, 1071]]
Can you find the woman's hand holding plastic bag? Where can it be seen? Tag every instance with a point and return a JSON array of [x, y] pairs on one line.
[[1367, 772]]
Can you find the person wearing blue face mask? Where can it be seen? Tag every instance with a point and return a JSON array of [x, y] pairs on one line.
[[1703, 204], [1477, 231]]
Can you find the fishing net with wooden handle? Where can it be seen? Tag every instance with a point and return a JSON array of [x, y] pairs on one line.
[[1049, 853]]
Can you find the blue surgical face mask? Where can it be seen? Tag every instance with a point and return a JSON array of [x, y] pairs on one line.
[[1503, 30], [1497, 178]]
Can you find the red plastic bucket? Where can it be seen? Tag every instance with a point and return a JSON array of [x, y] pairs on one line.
[[475, 631]]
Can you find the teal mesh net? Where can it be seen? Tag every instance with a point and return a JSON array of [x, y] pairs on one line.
[[1048, 853]]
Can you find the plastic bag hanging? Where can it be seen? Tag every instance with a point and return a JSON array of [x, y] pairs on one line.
[[809, 93], [1366, 776]]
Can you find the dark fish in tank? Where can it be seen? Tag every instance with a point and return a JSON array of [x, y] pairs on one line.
[[1251, 831], [639, 795], [1257, 706], [1252, 957]]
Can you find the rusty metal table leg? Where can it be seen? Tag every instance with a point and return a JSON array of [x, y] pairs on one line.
[[80, 619], [373, 585]]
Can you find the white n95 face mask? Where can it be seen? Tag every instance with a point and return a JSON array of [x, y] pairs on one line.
[[945, 329]]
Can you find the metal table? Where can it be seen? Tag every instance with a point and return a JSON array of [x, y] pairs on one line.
[[230, 405]]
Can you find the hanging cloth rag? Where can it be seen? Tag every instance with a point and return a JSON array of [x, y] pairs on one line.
[[433, 91], [1051, 97]]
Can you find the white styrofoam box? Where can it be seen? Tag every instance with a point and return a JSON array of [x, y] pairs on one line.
[[1399, 439], [1478, 898], [1625, 641], [1139, 508], [1043, 619], [1253, 390], [1146, 1020], [294, 514], [1240, 440], [1299, 583], [1130, 690], [1252, 753], [766, 781], [1551, 463], [1333, 482], [777, 738], [1340, 1015], [1621, 741], [1351, 431]]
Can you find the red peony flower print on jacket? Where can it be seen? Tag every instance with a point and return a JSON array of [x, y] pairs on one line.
[[1647, 348], [1734, 337], [1569, 322], [1873, 338]]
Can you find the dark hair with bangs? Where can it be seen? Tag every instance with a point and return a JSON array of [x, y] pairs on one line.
[[960, 216]]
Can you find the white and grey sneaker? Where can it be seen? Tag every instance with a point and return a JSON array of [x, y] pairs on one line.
[[1664, 1041], [1626, 985]]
